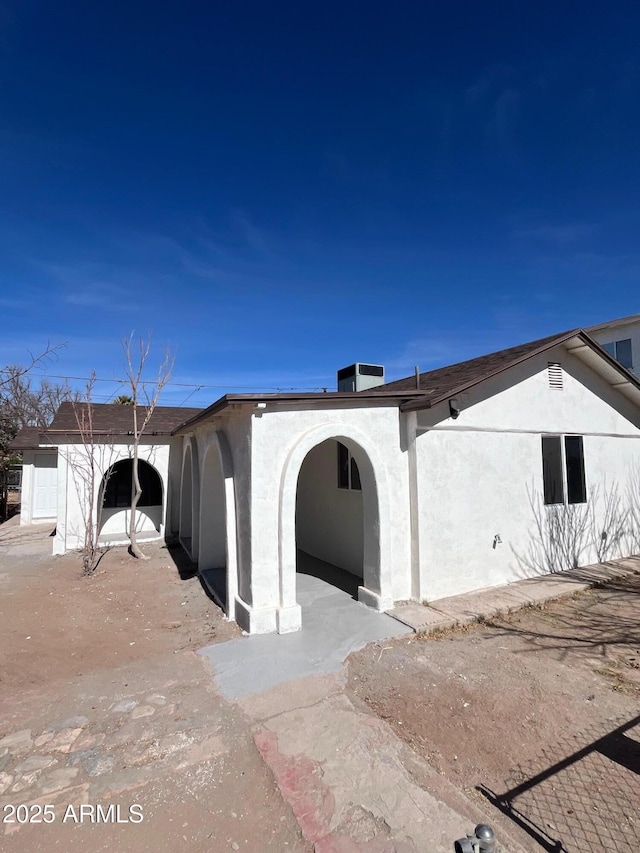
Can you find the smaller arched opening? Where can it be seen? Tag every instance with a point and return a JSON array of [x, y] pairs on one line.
[[308, 503], [212, 554], [329, 517], [186, 502], [115, 501]]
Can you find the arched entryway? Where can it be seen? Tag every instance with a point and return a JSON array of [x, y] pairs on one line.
[[212, 557], [186, 501], [316, 485], [115, 501], [190, 501], [329, 517]]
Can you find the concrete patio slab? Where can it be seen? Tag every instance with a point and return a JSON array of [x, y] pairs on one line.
[[468, 607], [420, 617], [333, 626]]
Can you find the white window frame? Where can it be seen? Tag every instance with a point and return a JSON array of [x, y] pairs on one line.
[[565, 478], [614, 353]]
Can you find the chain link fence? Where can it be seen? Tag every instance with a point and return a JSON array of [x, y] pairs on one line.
[[583, 794]]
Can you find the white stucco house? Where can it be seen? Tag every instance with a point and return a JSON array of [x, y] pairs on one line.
[[517, 463], [55, 479], [621, 339]]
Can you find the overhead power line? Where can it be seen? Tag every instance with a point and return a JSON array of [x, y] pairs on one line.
[[197, 386]]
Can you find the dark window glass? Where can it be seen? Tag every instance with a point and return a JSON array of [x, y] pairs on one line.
[[610, 348], [117, 493], [576, 485], [355, 475], [623, 353], [552, 469], [343, 467]]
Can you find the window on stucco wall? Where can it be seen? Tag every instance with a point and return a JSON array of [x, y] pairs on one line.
[[621, 351], [563, 469], [348, 474], [117, 493]]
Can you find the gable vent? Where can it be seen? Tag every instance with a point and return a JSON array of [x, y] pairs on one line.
[[555, 375]]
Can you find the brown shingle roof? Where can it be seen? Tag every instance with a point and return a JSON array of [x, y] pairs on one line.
[[435, 385], [621, 321], [440, 383], [114, 419], [26, 439]]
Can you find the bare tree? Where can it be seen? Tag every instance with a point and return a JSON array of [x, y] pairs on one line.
[[144, 399], [88, 470], [28, 403], [8, 374]]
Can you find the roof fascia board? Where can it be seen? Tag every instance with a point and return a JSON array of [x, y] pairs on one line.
[[415, 405], [615, 324], [587, 342], [628, 378], [329, 397]]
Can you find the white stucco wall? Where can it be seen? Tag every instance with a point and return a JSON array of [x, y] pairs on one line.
[[222, 448], [328, 519], [26, 489], [73, 493], [481, 475], [114, 523], [279, 436]]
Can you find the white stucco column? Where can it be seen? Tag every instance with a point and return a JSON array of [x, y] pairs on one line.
[[60, 539], [26, 488]]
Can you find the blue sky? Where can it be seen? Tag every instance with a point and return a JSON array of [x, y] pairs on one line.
[[280, 189]]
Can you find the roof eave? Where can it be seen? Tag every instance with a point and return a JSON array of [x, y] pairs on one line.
[[415, 405], [629, 379], [312, 396], [614, 324]]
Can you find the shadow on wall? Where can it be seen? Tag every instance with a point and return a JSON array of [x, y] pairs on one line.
[[565, 537], [340, 578]]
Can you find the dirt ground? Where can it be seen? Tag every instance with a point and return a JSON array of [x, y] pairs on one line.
[[537, 713], [104, 702]]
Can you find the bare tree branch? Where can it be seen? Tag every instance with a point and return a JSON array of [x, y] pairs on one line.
[[144, 396], [8, 374], [87, 477]]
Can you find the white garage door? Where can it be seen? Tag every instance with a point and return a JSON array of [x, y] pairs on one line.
[[45, 487]]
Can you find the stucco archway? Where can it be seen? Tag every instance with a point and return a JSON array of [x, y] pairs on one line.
[[114, 500], [330, 518], [376, 590], [217, 560], [190, 500]]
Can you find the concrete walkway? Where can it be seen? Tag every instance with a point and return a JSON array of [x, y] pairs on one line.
[[333, 626], [352, 784], [484, 604]]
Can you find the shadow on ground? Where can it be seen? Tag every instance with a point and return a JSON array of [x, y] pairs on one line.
[[556, 805]]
